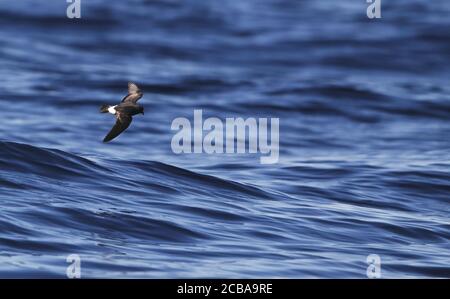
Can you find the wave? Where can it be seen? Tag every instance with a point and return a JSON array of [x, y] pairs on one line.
[[58, 164], [355, 103], [144, 185]]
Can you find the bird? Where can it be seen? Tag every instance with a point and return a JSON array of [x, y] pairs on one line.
[[124, 111]]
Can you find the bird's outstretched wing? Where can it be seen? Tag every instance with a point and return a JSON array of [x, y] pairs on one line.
[[122, 123], [134, 93]]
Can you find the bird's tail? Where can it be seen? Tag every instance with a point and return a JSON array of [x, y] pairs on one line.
[[104, 108]]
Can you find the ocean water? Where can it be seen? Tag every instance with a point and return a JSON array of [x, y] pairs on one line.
[[364, 109]]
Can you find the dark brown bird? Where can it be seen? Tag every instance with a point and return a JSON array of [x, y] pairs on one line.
[[124, 111]]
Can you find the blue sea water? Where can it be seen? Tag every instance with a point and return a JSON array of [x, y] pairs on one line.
[[364, 109]]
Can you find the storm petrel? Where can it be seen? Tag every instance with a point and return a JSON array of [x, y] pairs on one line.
[[124, 111]]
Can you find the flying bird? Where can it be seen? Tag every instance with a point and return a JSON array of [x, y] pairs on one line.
[[124, 111]]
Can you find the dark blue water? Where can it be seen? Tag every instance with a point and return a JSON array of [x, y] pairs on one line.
[[364, 109]]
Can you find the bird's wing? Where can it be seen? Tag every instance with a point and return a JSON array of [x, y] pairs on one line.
[[133, 88], [134, 93], [122, 123]]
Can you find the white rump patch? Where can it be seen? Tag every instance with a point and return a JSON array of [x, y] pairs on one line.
[[112, 110]]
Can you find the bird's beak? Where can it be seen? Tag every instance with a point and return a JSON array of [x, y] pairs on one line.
[[142, 112]]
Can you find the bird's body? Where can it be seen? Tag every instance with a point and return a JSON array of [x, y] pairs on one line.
[[124, 111]]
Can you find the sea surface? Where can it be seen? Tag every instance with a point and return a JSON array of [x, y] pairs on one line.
[[364, 166]]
